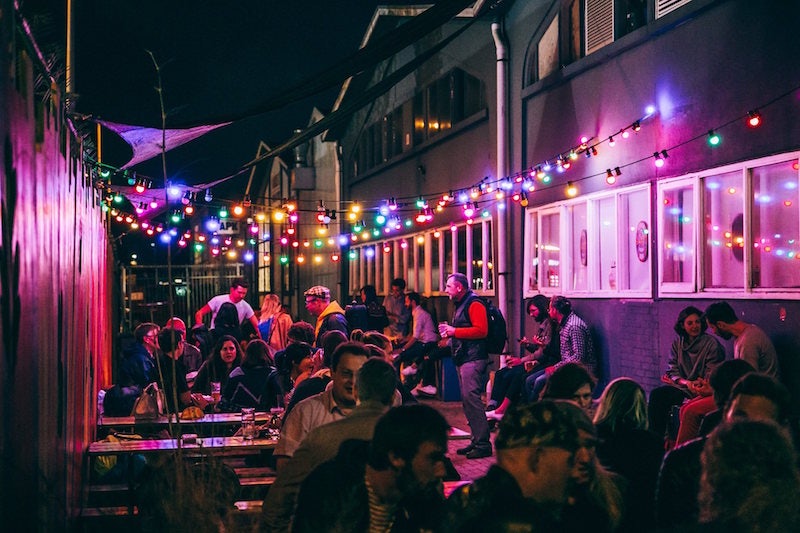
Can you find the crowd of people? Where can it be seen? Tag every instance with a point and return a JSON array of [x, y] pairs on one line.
[[713, 448]]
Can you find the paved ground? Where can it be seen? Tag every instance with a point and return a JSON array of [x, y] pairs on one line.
[[468, 468]]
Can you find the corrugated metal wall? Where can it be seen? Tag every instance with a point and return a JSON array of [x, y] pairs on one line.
[[55, 312]]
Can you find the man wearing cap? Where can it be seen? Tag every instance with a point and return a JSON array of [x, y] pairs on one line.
[[192, 358], [536, 446], [330, 314]]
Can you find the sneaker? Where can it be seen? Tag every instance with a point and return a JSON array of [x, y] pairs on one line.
[[466, 449], [409, 371], [426, 390], [479, 453], [494, 415]]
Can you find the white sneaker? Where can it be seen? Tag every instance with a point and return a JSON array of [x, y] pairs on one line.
[[409, 371], [426, 390], [494, 415]]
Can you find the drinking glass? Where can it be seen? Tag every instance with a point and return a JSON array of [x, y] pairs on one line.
[[248, 423]]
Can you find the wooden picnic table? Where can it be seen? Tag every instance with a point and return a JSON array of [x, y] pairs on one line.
[[234, 445], [210, 418]]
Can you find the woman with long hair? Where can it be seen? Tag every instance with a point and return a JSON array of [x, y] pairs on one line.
[[694, 354], [274, 323], [226, 355], [247, 384], [626, 447]]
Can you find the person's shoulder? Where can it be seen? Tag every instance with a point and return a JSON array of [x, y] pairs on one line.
[[237, 372], [313, 402], [686, 451]]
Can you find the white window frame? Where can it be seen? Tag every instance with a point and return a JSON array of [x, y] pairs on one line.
[[673, 289], [403, 259], [594, 285], [698, 288]]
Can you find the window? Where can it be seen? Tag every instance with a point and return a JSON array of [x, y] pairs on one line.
[[608, 20], [425, 259], [750, 229], [776, 226], [633, 270], [547, 51], [607, 236], [579, 264], [437, 108], [723, 204], [677, 239], [544, 257]]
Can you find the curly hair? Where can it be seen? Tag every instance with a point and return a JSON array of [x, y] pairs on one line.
[[750, 479]]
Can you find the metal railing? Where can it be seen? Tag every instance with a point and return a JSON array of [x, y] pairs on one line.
[[146, 291]]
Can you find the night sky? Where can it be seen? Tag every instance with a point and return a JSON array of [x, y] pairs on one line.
[[217, 58]]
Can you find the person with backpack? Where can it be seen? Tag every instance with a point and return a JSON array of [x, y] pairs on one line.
[[468, 335]]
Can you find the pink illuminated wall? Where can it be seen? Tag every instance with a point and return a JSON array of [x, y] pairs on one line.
[[55, 319]]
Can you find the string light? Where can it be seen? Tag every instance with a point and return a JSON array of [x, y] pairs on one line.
[[754, 118], [518, 186], [572, 191]]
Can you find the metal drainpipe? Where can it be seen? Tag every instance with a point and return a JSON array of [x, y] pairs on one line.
[[502, 166]]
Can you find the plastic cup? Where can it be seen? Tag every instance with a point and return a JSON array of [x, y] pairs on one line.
[[248, 423], [215, 391]]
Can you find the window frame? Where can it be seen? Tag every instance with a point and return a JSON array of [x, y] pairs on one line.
[[400, 261], [594, 286], [696, 180]]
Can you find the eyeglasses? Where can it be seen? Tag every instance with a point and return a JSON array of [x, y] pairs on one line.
[[310, 300]]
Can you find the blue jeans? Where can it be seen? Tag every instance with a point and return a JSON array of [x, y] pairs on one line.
[[534, 384], [473, 376]]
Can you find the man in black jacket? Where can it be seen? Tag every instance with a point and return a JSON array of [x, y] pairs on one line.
[[467, 334]]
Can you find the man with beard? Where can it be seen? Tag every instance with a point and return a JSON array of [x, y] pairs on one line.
[[398, 488], [526, 489], [750, 342]]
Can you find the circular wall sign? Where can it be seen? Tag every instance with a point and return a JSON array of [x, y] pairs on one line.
[[642, 237]]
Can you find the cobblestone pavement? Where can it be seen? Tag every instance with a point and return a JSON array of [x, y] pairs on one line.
[[469, 469]]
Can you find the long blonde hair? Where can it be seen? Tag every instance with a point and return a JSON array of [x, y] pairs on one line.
[[622, 403], [269, 307]]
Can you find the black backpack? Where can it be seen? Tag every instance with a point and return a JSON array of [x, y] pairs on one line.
[[498, 334]]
